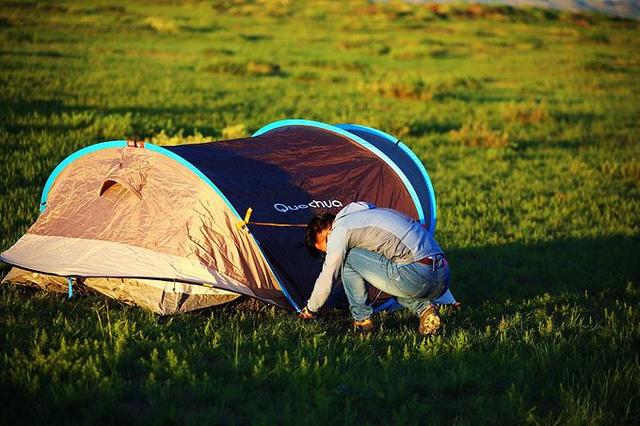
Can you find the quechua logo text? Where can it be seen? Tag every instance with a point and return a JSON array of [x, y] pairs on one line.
[[315, 204]]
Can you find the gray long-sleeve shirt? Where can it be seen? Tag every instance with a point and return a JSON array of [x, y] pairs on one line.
[[384, 231]]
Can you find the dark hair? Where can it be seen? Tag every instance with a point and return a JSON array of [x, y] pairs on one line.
[[316, 225]]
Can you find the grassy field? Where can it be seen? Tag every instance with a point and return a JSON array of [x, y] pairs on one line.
[[527, 121]]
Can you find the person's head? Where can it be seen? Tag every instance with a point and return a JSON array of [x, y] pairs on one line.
[[318, 230]]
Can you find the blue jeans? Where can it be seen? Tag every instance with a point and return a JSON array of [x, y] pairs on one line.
[[414, 284]]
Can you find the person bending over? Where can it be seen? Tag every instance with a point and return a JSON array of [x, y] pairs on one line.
[[387, 249]]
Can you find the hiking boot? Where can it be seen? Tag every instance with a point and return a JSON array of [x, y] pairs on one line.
[[430, 321], [363, 326]]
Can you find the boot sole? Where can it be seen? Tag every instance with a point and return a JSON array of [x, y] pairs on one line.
[[430, 325]]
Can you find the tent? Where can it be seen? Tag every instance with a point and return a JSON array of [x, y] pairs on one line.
[[163, 228]]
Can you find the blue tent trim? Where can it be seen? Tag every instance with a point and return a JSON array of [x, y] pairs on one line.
[[198, 173], [357, 139], [412, 156], [70, 159], [123, 143], [349, 127], [427, 179]]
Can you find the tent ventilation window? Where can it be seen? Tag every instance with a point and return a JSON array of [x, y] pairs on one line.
[[109, 183]]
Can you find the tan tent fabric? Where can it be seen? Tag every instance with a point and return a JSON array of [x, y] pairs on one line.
[[161, 297], [94, 258], [133, 212]]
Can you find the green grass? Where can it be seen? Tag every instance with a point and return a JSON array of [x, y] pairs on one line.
[[527, 121]]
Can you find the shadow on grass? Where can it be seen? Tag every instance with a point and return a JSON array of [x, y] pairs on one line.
[[40, 54], [182, 117], [518, 271], [513, 272], [423, 127], [231, 365]]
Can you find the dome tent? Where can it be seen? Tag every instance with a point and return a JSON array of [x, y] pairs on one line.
[[158, 226]]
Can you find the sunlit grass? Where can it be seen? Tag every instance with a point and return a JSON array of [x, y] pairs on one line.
[[527, 121]]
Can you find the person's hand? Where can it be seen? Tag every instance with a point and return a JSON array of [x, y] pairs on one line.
[[306, 314]]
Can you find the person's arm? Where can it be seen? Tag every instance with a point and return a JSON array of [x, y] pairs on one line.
[[336, 251]]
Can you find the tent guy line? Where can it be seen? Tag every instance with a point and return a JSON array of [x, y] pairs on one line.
[[242, 224]]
